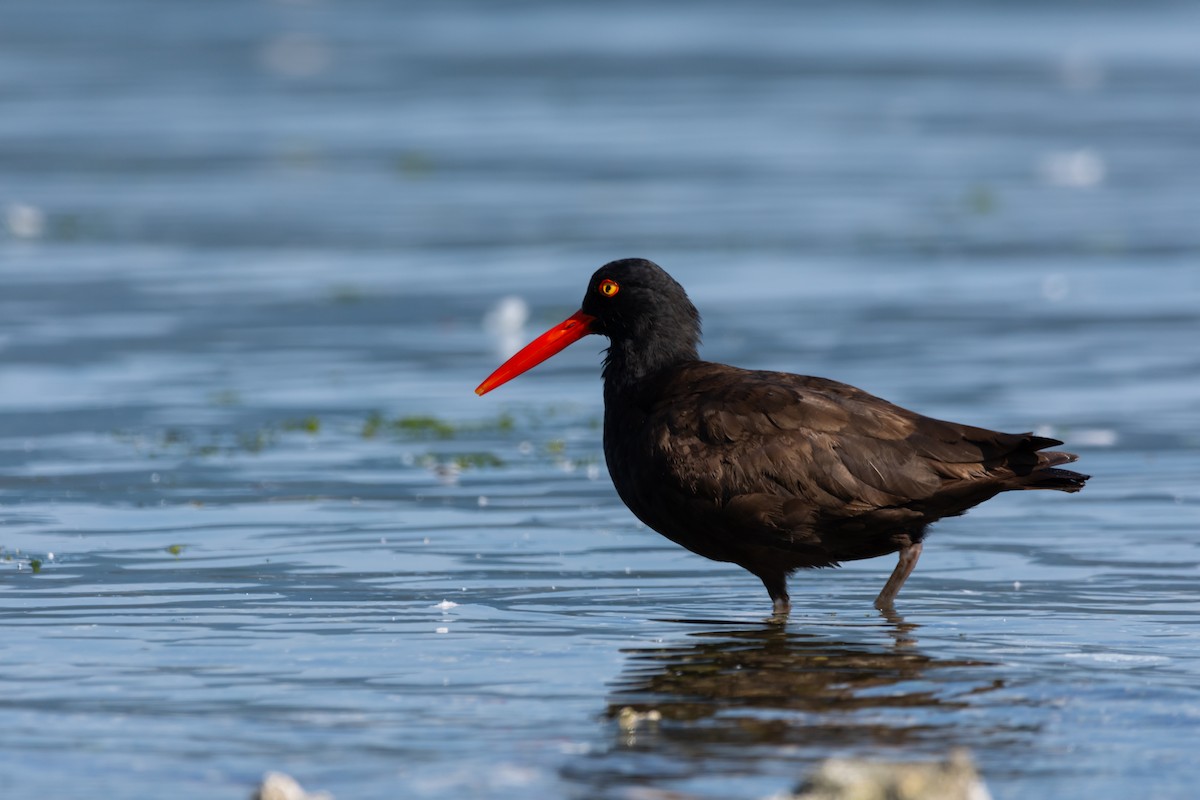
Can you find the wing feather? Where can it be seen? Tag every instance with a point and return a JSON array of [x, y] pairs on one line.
[[822, 443]]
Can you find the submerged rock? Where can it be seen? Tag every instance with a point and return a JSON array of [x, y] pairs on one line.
[[630, 719], [277, 786], [861, 779]]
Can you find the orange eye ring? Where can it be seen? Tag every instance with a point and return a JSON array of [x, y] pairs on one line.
[[608, 287]]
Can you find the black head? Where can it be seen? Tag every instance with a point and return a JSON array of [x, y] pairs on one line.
[[636, 303]]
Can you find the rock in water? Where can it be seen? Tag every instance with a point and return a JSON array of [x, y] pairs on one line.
[[862, 779], [277, 786]]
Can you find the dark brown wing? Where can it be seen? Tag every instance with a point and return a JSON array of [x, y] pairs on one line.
[[794, 450]]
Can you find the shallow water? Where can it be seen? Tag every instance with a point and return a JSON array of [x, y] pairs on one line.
[[245, 257]]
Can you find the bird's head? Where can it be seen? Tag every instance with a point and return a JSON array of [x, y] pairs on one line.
[[644, 312]]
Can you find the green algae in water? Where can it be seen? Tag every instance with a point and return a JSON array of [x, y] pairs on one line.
[[212, 443], [415, 425], [176, 549], [420, 424], [310, 424], [461, 461], [371, 426], [425, 425], [256, 441], [477, 460], [173, 436]]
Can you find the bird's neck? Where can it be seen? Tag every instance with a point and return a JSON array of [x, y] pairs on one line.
[[631, 367], [646, 346]]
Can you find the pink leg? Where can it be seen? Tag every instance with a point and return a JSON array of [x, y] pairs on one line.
[[904, 568], [777, 588]]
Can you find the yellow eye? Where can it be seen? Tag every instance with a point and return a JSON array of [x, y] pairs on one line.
[[608, 287]]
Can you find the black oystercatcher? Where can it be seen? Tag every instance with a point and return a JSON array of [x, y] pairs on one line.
[[769, 470]]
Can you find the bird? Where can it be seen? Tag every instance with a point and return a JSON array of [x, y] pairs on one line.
[[773, 471]]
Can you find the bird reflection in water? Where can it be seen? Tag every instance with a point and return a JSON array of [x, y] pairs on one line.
[[769, 699]]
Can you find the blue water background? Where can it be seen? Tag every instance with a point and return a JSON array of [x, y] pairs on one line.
[[247, 252]]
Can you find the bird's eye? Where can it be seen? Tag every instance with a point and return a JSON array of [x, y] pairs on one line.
[[608, 287]]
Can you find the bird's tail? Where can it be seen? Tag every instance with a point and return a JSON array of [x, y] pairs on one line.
[[1064, 480], [1044, 474]]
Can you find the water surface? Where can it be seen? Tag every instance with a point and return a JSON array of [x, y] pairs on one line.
[[245, 259]]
